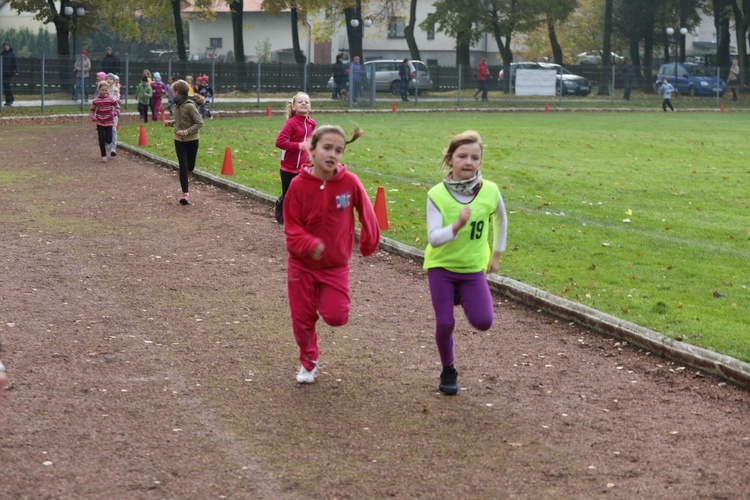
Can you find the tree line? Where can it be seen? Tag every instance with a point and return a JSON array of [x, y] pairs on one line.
[[634, 27]]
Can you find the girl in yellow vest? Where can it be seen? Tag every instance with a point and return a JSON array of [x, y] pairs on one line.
[[466, 230]]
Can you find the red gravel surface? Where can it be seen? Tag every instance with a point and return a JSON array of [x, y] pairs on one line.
[[151, 356]]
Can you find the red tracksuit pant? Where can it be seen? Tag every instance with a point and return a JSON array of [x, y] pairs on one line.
[[311, 293]]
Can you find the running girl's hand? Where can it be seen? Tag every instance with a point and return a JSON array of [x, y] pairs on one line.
[[317, 252], [494, 264], [463, 218]]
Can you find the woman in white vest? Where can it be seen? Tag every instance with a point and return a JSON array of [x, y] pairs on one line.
[[466, 231]]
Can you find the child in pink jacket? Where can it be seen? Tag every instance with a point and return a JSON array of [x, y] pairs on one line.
[[319, 226], [294, 142], [104, 109]]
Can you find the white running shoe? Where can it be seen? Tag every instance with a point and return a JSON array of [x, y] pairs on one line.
[[306, 376]]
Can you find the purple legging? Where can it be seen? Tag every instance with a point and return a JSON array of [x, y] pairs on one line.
[[476, 300]]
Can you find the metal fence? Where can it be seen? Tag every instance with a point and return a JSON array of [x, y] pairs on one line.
[[52, 78]]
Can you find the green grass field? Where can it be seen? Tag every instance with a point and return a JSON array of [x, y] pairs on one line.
[[644, 216]]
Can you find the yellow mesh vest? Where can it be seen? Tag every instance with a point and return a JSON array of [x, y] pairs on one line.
[[471, 250]]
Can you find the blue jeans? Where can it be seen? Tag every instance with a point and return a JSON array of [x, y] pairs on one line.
[[404, 90], [77, 88]]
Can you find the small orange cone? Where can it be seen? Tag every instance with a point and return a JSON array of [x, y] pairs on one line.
[[142, 141], [227, 168], [394, 109], [546, 108], [381, 211], [722, 107], [268, 110], [163, 116]]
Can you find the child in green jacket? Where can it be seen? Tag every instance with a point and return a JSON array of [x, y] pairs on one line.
[[143, 93]]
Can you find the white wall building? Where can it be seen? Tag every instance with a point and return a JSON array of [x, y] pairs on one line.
[[381, 40], [12, 19]]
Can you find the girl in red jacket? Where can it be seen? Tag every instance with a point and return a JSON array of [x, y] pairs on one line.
[[104, 109], [319, 215], [294, 142]]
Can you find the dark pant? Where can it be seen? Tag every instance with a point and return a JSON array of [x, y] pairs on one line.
[[6, 90], [143, 110], [187, 152], [732, 86], [404, 90], [81, 86], [105, 137], [628, 87], [667, 102], [482, 87]]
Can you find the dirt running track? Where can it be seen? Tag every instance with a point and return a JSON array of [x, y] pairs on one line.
[[151, 356]]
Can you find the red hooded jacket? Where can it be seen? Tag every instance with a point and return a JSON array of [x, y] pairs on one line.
[[295, 131], [316, 211]]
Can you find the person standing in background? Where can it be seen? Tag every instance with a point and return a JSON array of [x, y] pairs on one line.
[[338, 77], [404, 74], [483, 79], [734, 78], [628, 74], [10, 69], [110, 62], [81, 68], [356, 75]]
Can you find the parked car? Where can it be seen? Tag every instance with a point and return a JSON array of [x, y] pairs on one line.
[[692, 78], [388, 80], [567, 82]]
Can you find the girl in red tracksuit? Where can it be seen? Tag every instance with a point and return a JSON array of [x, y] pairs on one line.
[[294, 142], [319, 215], [104, 109]]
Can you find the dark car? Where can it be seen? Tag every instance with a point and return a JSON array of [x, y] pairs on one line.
[[567, 82], [692, 78]]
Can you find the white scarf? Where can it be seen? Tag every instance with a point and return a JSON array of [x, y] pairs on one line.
[[467, 187]]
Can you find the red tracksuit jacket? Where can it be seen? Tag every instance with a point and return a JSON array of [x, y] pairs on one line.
[[317, 211], [296, 130]]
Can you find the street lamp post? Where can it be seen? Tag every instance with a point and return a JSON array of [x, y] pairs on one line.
[[75, 13], [670, 33]]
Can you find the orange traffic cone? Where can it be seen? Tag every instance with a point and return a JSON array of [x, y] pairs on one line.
[[394, 109], [227, 168], [268, 110], [163, 116], [142, 141], [546, 108], [722, 107], [381, 211]]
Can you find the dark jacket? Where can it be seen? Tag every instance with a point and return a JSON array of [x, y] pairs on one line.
[[111, 64], [404, 72], [338, 72], [10, 62]]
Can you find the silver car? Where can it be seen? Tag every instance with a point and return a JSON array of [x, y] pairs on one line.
[[388, 80]]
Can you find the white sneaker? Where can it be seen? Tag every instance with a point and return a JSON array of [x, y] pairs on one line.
[[306, 376]]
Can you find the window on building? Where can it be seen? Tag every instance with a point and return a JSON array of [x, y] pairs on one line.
[[215, 43], [431, 31], [396, 27]]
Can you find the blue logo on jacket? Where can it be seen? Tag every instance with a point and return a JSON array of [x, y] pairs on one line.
[[343, 200]]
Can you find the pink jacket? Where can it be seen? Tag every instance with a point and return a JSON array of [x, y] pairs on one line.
[[103, 110], [317, 211], [295, 131]]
